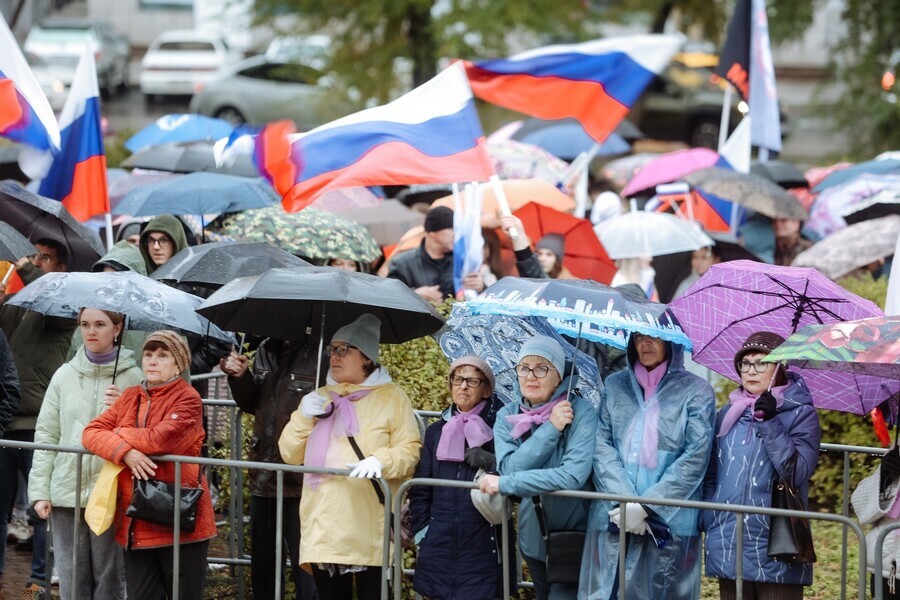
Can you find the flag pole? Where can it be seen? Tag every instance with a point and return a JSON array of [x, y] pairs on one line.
[[500, 193], [726, 117], [109, 234]]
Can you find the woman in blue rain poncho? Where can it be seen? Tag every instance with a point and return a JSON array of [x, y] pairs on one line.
[[653, 440], [544, 443]]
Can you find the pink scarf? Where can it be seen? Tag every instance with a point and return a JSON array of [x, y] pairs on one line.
[[522, 422], [649, 381], [462, 428], [344, 415], [740, 400]]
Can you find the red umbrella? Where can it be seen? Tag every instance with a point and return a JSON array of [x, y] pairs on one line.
[[584, 254]]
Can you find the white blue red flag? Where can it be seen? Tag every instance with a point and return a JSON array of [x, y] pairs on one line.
[[468, 241], [595, 82], [77, 177], [25, 114], [430, 135]]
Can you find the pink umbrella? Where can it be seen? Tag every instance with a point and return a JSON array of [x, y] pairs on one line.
[[672, 166]]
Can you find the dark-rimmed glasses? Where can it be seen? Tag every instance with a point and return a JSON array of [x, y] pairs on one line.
[[539, 371], [759, 366], [339, 350], [472, 382]]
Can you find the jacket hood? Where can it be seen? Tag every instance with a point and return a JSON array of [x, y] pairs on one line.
[[169, 225], [124, 255], [674, 354], [84, 366]]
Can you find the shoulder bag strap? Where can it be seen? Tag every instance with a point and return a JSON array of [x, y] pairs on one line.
[[539, 512], [360, 455]]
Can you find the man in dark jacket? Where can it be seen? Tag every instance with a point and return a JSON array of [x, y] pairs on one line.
[[282, 373]]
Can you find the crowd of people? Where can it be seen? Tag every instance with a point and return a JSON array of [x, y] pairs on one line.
[[126, 397]]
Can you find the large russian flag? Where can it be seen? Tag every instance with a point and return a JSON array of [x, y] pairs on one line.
[[430, 135], [77, 176], [595, 82], [25, 114]]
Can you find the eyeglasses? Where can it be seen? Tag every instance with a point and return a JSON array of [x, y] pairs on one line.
[[539, 371], [759, 366], [162, 242], [340, 350], [472, 382]]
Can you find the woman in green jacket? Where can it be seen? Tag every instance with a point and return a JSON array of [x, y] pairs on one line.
[[79, 391]]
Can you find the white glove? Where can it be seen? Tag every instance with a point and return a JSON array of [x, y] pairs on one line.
[[312, 405], [635, 518], [369, 468], [615, 515]]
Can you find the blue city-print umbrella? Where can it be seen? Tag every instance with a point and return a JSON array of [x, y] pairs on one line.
[[497, 339], [148, 305], [179, 128], [198, 193], [577, 307]]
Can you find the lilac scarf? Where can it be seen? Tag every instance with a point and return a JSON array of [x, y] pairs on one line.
[[739, 401], [462, 428], [344, 415], [649, 381], [522, 422]]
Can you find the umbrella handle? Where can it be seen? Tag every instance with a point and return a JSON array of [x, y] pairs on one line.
[[574, 357]]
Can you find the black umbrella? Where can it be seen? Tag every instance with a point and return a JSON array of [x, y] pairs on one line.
[[214, 265], [752, 191], [14, 245], [188, 157], [295, 304], [785, 174], [37, 217]]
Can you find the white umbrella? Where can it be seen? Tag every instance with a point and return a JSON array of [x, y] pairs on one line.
[[640, 233]]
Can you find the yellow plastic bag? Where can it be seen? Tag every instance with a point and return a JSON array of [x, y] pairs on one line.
[[101, 505]]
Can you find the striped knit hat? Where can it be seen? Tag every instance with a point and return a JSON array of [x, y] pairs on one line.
[[175, 344]]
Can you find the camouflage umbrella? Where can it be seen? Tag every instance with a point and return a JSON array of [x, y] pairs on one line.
[[308, 233]]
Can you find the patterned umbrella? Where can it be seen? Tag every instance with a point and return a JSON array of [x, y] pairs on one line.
[[852, 247], [864, 347], [621, 170], [600, 313], [755, 192], [518, 160], [497, 339], [309, 233], [734, 299], [830, 210]]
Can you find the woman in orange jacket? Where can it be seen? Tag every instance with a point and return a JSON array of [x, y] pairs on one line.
[[163, 415]]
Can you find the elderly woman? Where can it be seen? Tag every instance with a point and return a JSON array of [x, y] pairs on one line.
[[653, 440], [78, 392], [163, 415], [360, 420], [544, 443], [768, 430], [459, 551]]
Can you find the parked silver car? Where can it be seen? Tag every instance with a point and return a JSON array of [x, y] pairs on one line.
[[55, 45], [258, 90]]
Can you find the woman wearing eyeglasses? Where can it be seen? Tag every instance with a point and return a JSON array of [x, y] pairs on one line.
[[458, 550], [544, 443], [767, 422], [359, 420]]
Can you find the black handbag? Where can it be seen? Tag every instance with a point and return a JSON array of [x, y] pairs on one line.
[[564, 550], [790, 538], [154, 501]]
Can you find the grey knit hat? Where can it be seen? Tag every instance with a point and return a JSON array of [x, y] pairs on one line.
[[363, 333], [545, 347], [555, 243], [472, 360]]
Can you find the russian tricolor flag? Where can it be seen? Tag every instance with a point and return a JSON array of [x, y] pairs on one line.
[[25, 114], [595, 82], [77, 176], [430, 135]]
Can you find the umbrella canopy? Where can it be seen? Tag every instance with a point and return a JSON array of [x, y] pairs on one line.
[[214, 265], [884, 203], [37, 217], [672, 166], [309, 233], [584, 254], [863, 347], [14, 245], [518, 160], [733, 300], [869, 167], [148, 304], [197, 194], [179, 128], [568, 139], [577, 307], [852, 247], [187, 157], [752, 191], [620, 171], [387, 222], [831, 208], [785, 174], [136, 179], [294, 303], [498, 338], [519, 192], [640, 233]]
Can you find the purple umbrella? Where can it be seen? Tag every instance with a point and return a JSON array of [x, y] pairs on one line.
[[734, 299], [671, 167]]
